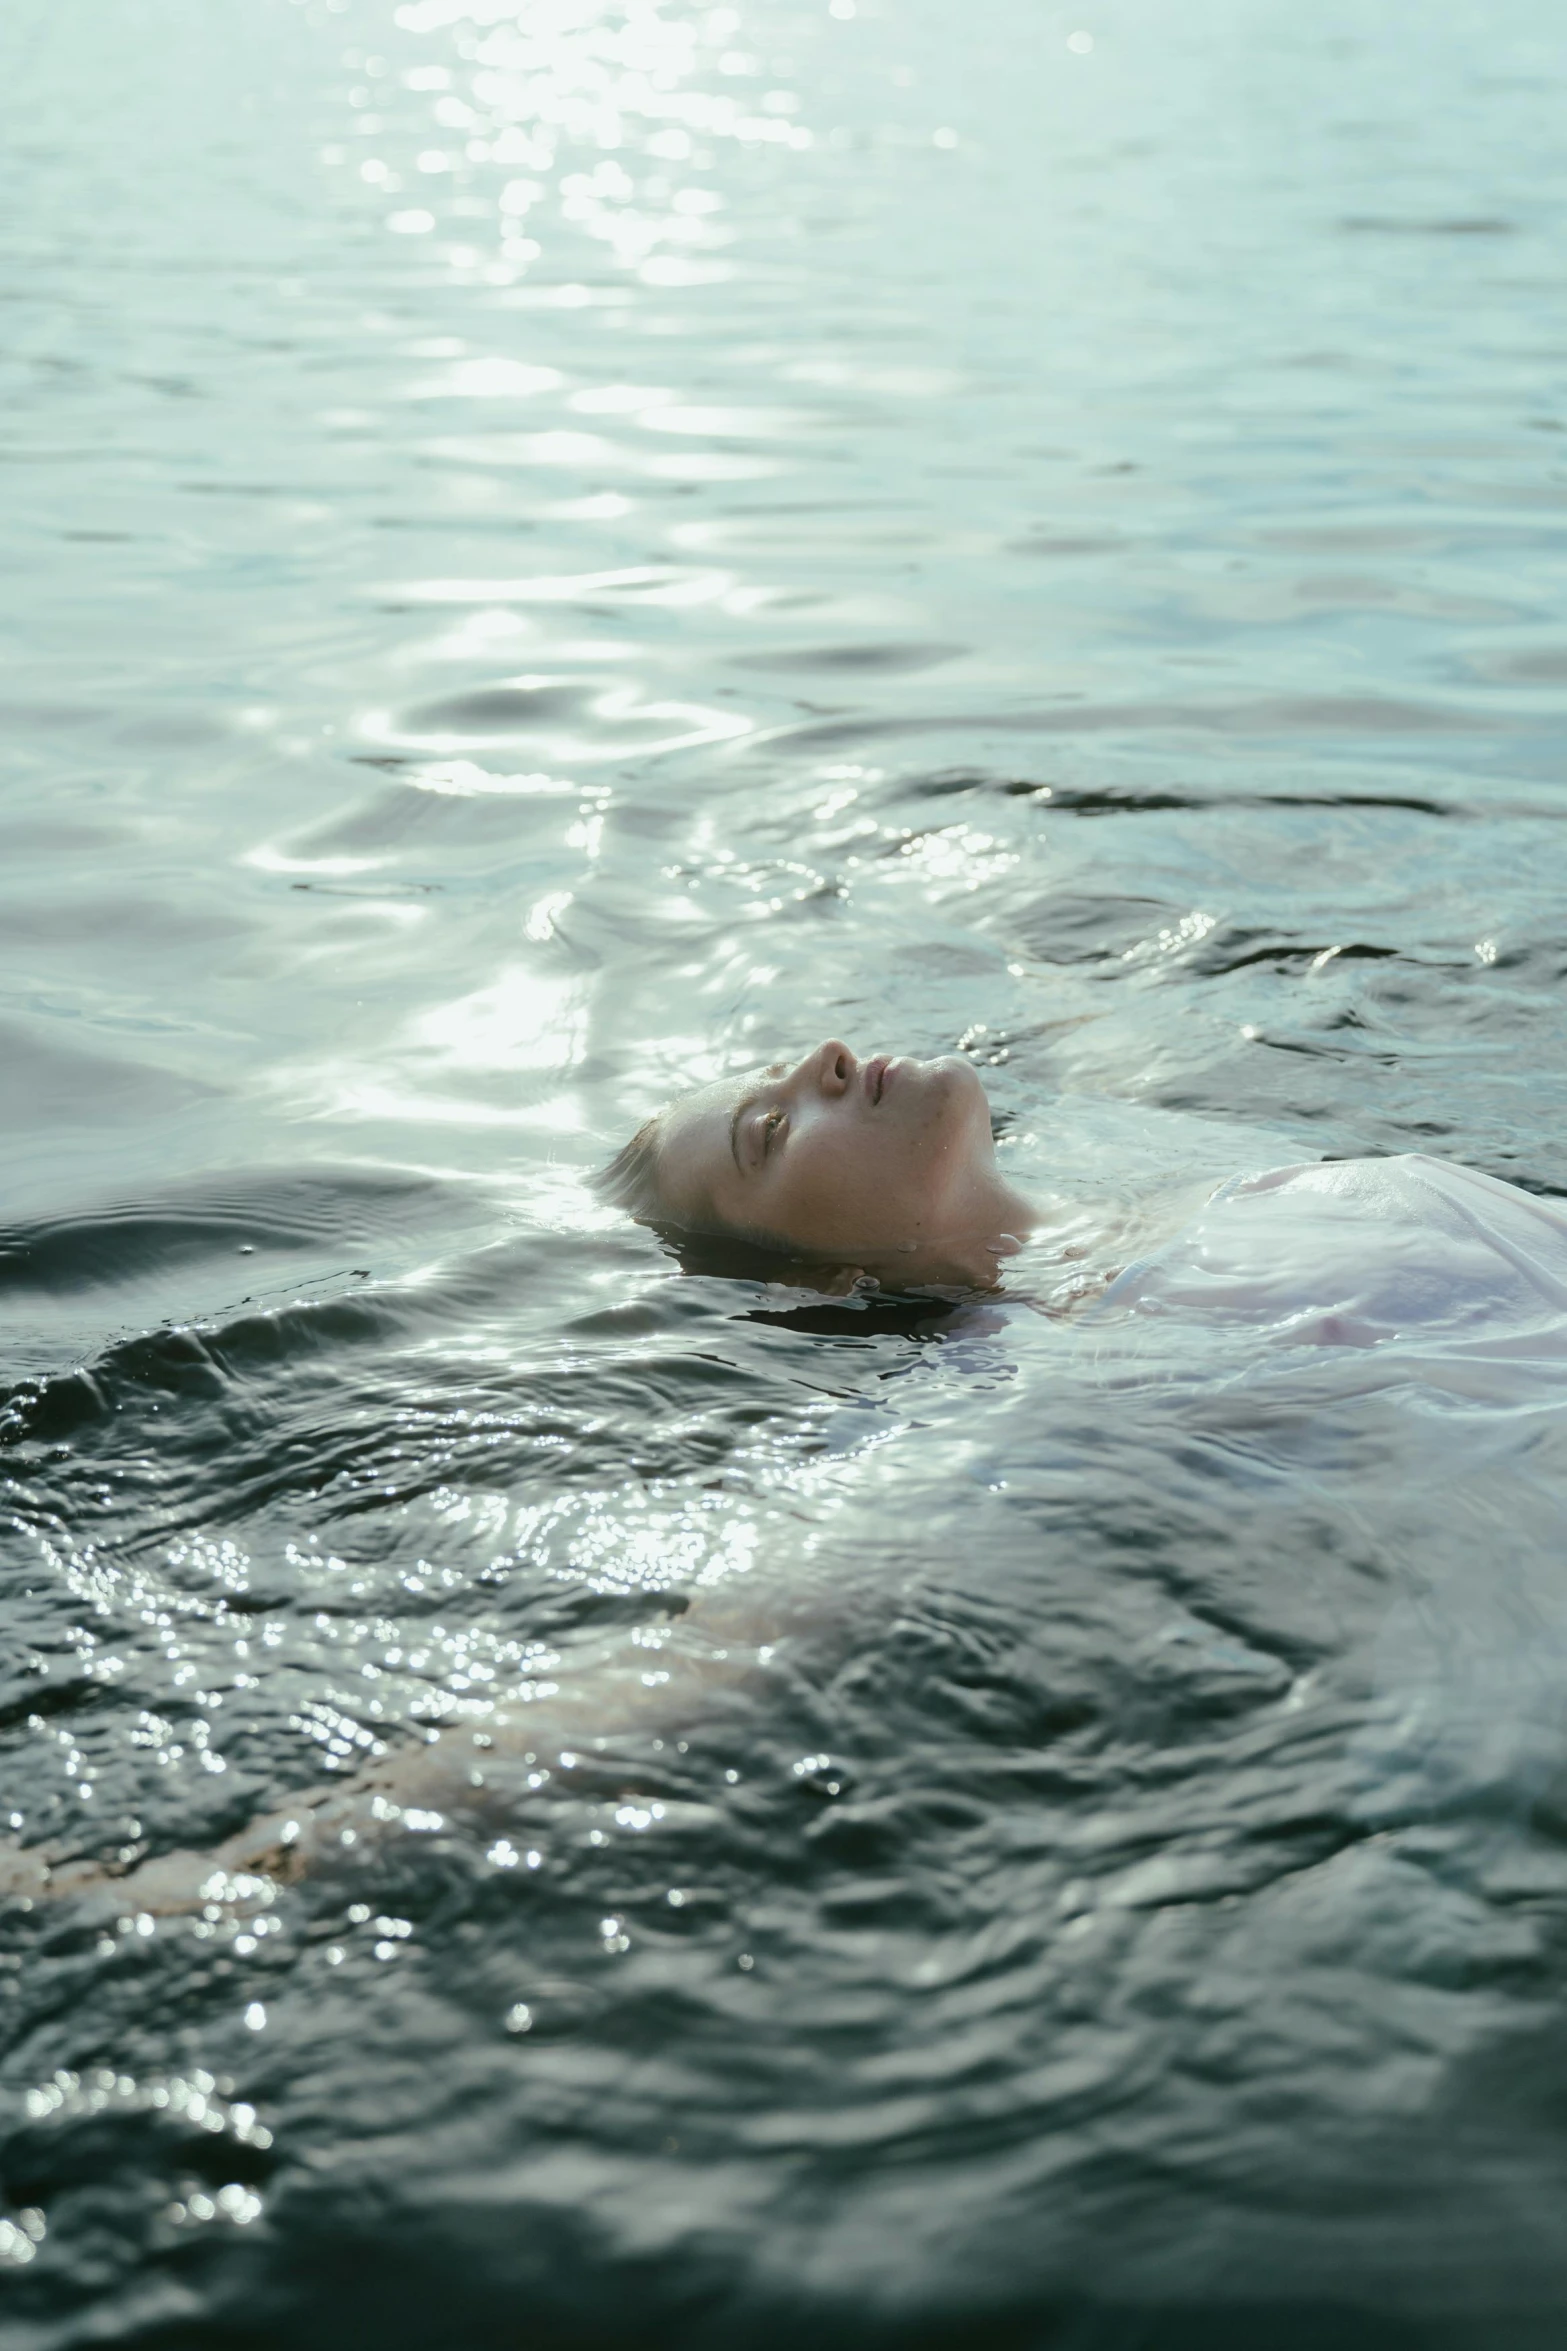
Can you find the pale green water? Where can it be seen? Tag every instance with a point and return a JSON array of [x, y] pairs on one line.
[[550, 554]]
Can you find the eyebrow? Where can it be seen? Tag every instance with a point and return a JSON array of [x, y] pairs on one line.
[[745, 1103]]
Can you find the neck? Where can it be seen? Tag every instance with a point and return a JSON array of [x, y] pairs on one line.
[[1012, 1217], [973, 1253]]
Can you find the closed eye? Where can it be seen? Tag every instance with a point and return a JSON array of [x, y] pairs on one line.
[[745, 1155]]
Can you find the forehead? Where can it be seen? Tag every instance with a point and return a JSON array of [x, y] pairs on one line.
[[697, 1176]]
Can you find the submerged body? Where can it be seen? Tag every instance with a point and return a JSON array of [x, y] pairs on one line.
[[1429, 1265], [1431, 1273], [885, 1171]]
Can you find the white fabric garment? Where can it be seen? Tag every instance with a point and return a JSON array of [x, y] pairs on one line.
[[1442, 1274]]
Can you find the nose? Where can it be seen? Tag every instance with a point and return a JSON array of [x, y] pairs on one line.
[[833, 1067]]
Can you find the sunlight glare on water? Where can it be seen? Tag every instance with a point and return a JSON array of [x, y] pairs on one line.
[[558, 553]]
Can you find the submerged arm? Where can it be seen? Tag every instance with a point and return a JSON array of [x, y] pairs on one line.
[[477, 1768]]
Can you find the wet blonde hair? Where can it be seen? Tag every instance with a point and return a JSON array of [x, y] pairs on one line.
[[631, 1179]]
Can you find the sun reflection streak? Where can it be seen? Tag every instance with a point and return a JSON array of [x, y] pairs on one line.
[[624, 1543], [560, 103], [463, 778], [524, 1019]]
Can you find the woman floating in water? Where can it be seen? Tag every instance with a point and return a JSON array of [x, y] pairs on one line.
[[884, 1169], [844, 1171], [836, 1173]]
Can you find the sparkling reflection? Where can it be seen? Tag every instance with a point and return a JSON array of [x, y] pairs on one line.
[[674, 530]]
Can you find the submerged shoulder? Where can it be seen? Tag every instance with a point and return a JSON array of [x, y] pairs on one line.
[[1410, 1187]]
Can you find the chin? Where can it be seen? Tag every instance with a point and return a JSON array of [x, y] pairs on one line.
[[962, 1084], [950, 1109]]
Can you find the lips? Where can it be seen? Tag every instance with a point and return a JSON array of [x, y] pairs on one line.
[[876, 1075]]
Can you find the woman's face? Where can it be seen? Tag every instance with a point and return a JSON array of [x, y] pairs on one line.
[[858, 1161]]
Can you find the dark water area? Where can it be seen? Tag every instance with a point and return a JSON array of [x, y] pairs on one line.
[[554, 552]]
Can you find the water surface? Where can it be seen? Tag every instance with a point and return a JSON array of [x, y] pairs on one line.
[[554, 553]]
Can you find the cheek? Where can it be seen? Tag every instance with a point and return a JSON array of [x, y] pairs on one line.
[[828, 1187], [851, 1187]]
